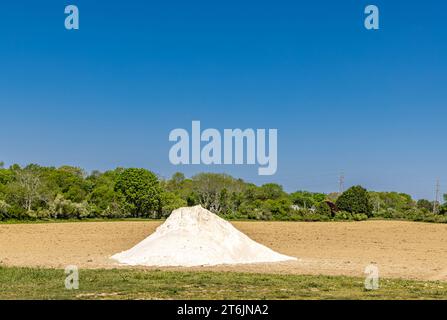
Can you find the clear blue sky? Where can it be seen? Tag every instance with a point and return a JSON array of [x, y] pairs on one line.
[[370, 103]]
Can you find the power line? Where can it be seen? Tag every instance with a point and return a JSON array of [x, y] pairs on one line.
[[341, 183], [435, 204]]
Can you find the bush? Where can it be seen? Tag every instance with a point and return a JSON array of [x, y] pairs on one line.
[[115, 210], [43, 214], [355, 200], [343, 215], [278, 209], [383, 213], [360, 217], [4, 207], [16, 212], [315, 217], [64, 208], [324, 209]]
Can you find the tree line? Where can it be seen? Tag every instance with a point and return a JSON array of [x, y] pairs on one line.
[[67, 192]]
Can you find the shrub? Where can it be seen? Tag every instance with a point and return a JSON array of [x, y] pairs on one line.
[[116, 209], [315, 217], [64, 208], [343, 215], [360, 217], [355, 200], [4, 207], [324, 209], [43, 214], [279, 209]]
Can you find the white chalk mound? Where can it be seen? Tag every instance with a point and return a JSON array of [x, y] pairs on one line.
[[194, 236]]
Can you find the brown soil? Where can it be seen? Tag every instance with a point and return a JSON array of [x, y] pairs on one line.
[[400, 249]]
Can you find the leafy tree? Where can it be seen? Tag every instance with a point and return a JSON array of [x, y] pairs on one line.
[[211, 190], [425, 204], [141, 191], [25, 189], [333, 196], [103, 198], [305, 199], [277, 208], [443, 208], [391, 200], [177, 178], [271, 191], [170, 201], [69, 181], [67, 192], [6, 176], [355, 200]]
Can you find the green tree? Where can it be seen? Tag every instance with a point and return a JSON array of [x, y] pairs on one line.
[[104, 200], [177, 178], [69, 181], [170, 201], [443, 208], [305, 199], [277, 208], [425, 204], [355, 200], [26, 189], [141, 191], [212, 190], [270, 191]]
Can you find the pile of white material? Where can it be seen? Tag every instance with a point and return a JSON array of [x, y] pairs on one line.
[[194, 236]]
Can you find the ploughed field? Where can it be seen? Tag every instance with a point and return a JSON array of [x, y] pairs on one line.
[[400, 249]]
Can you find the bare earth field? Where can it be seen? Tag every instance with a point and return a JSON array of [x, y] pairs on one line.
[[407, 250]]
